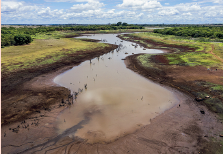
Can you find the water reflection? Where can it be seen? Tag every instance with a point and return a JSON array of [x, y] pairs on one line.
[[117, 100]]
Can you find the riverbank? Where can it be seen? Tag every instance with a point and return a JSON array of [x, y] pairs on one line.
[[181, 129], [202, 83], [169, 132], [18, 101]]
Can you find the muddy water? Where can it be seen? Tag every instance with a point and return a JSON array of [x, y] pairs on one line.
[[116, 100]]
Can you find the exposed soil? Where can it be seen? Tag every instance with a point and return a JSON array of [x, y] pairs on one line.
[[157, 45], [190, 80], [184, 78], [20, 99], [31, 95]]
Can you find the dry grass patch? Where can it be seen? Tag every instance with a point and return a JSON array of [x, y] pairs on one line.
[[41, 52]]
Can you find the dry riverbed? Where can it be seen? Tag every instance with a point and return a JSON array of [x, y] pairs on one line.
[[192, 81], [188, 127]]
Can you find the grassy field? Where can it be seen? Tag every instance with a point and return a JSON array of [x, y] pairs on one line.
[[53, 35], [48, 48], [42, 51], [201, 56]]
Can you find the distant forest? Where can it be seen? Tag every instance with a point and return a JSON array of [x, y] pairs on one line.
[[180, 25], [22, 35], [193, 31]]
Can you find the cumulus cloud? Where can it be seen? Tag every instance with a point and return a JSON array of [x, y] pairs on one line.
[[187, 14], [168, 12], [70, 0], [93, 11], [22, 11], [140, 4], [100, 14], [14, 6], [218, 1], [188, 7], [48, 13], [92, 5]]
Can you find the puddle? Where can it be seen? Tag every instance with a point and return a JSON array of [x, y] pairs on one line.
[[116, 100]]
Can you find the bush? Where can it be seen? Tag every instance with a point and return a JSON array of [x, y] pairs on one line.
[[22, 39]]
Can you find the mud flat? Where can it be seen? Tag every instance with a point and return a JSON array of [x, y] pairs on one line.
[[190, 80], [117, 100], [181, 129]]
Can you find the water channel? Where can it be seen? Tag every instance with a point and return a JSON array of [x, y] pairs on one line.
[[117, 100]]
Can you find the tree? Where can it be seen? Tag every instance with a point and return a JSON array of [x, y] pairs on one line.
[[119, 23], [124, 24], [22, 39]]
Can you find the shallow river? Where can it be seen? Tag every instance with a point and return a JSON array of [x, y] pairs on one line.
[[116, 100]]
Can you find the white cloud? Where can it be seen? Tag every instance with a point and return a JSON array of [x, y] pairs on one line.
[[140, 15], [150, 16], [140, 4], [188, 7], [96, 11], [48, 13], [100, 14], [168, 12], [22, 11], [187, 14], [70, 0], [14, 6], [93, 5], [218, 1]]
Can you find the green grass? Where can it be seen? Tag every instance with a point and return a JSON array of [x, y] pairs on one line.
[[144, 60], [53, 35], [218, 49], [194, 59], [201, 56], [41, 52], [217, 87], [175, 40]]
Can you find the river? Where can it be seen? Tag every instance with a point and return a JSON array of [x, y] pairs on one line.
[[116, 100]]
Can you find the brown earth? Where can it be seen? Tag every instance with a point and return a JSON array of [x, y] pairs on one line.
[[185, 128], [190, 80], [20, 99], [179, 130]]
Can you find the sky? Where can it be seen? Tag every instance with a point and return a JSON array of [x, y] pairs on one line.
[[111, 11]]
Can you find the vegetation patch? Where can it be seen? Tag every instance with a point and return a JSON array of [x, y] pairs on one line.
[[193, 31], [217, 88], [215, 105], [22, 35], [193, 59], [175, 40], [201, 56], [145, 60], [41, 52], [218, 49]]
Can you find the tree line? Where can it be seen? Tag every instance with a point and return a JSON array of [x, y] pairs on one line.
[[19, 36], [193, 31]]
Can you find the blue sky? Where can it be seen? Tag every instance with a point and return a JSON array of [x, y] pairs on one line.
[[111, 11]]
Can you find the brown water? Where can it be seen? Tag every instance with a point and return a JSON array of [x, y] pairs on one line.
[[117, 101]]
